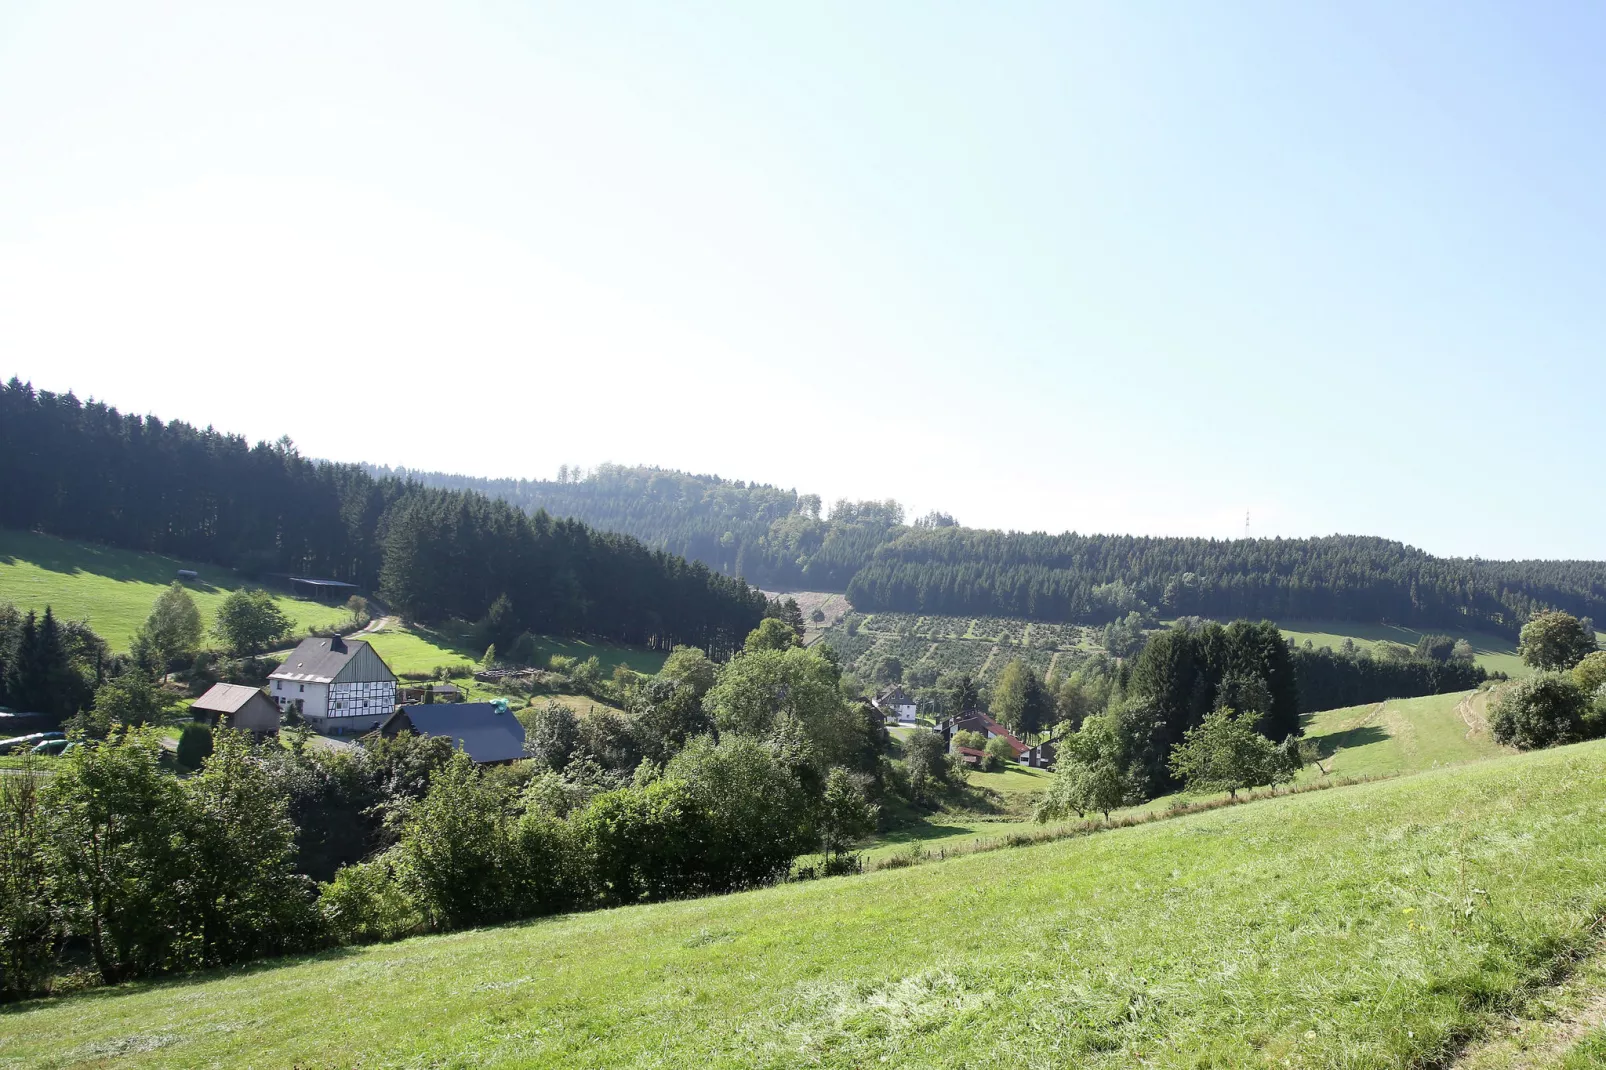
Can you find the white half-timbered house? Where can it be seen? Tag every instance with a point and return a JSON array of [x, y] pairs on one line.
[[338, 685]]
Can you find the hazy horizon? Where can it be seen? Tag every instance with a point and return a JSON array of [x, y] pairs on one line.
[[1093, 268]]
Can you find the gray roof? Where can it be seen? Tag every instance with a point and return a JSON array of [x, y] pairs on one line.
[[317, 660], [484, 733], [225, 698]]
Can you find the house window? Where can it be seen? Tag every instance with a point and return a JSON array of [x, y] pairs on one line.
[[278, 685], [302, 686]]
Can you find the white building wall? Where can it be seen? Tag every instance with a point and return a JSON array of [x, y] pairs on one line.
[[314, 697]]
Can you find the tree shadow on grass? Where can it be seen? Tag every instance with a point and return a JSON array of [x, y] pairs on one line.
[[72, 558], [184, 980], [1333, 742]]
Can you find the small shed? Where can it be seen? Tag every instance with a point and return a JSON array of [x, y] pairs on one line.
[[238, 706], [487, 732]]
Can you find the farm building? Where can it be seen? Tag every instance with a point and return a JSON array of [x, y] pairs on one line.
[[897, 706], [238, 706], [980, 722], [487, 732], [409, 693], [1040, 756], [338, 685]]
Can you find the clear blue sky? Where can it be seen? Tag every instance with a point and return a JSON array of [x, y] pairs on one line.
[[1121, 267]]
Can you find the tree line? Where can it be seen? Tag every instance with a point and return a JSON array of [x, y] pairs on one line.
[[85, 471], [1099, 578], [777, 537]]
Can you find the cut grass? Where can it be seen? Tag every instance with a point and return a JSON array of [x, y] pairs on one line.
[[114, 590], [1492, 652], [1367, 927], [415, 649], [1403, 735]]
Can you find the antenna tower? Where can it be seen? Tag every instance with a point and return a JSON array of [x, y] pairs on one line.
[[1246, 523]]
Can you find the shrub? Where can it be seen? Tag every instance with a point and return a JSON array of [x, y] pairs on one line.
[[1000, 755], [1590, 674], [1542, 711], [28, 934], [366, 903], [194, 746]]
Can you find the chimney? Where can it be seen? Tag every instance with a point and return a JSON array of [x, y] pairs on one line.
[[337, 645]]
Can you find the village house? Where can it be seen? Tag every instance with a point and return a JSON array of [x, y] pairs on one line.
[[338, 685], [897, 706], [487, 732], [237, 706], [986, 726]]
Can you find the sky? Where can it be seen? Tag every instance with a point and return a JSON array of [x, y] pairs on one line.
[[1099, 267]]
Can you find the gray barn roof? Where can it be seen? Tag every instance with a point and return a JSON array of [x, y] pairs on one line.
[[225, 698], [484, 733], [318, 660]]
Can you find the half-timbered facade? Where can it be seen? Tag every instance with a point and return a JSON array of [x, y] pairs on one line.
[[338, 685]]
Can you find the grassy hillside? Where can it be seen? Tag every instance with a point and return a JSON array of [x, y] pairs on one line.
[[1372, 926], [1404, 735], [414, 649], [1493, 652], [115, 589]]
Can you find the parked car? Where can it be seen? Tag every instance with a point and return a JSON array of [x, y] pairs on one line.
[[52, 747], [18, 744]]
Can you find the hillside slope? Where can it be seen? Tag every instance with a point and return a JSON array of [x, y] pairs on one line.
[[115, 589], [1404, 735], [1372, 926]]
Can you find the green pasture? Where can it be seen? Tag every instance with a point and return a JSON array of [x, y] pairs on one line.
[[1403, 735], [115, 589], [1381, 925], [416, 649], [1492, 652]]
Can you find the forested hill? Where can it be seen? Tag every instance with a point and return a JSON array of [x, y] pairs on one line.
[[86, 471], [773, 537], [1100, 577], [777, 538]]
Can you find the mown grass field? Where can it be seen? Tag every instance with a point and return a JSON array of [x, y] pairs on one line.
[[115, 589], [1492, 652], [1381, 925], [413, 649], [1403, 735]]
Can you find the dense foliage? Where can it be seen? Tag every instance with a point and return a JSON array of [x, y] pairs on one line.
[[1100, 578], [86, 471]]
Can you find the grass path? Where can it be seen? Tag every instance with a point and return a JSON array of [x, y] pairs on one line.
[[1370, 927], [1403, 735]]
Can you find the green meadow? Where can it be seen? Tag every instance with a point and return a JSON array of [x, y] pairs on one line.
[[1403, 735], [1380, 925], [1491, 651], [418, 649], [115, 589]]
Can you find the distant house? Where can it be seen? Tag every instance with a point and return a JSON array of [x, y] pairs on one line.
[[1040, 756], [980, 722], [238, 706], [487, 732], [897, 706], [338, 685]]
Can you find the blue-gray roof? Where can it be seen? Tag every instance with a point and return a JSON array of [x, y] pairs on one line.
[[481, 729]]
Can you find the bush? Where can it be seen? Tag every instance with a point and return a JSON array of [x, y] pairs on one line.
[[1000, 755], [28, 934], [194, 746], [1542, 711], [366, 903]]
